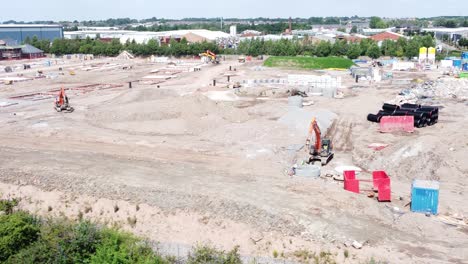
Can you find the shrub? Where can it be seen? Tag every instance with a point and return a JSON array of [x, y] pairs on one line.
[[82, 242], [17, 231], [206, 254], [38, 252], [117, 247], [8, 205]]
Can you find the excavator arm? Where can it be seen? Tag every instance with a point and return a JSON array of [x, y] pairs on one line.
[[61, 102], [322, 150], [314, 128]]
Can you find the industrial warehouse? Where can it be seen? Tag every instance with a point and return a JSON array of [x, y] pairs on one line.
[[334, 143], [19, 33]]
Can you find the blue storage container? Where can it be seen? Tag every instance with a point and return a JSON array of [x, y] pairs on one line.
[[457, 63], [464, 55], [425, 196], [465, 67]]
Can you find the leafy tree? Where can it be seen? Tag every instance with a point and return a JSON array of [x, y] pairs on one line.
[[86, 49], [152, 47], [339, 48], [35, 41], [365, 44], [373, 51], [44, 45], [412, 49], [323, 49], [114, 48], [427, 41], [463, 42], [377, 22], [27, 40], [354, 51], [353, 30], [389, 48]]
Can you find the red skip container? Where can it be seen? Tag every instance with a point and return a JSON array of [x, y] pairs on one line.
[[350, 182], [381, 183]]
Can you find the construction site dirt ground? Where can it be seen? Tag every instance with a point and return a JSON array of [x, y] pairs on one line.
[[170, 164]]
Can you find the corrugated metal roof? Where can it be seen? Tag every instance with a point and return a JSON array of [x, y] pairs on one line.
[[28, 49], [29, 25]]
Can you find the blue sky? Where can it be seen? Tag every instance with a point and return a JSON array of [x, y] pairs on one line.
[[29, 10]]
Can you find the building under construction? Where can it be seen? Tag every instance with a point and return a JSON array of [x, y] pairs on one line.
[[17, 52]]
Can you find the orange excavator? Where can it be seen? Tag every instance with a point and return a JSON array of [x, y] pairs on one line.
[[62, 103], [322, 150]]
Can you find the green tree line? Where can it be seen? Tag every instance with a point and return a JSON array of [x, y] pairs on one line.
[[254, 47], [366, 47], [113, 48]]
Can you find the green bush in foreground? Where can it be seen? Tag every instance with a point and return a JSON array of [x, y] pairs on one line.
[[17, 231], [25, 239], [118, 247]]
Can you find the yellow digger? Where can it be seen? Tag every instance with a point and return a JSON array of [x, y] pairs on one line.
[[210, 57]]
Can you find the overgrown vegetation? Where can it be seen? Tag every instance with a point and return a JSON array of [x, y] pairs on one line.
[[27, 239], [306, 256], [204, 254], [309, 62]]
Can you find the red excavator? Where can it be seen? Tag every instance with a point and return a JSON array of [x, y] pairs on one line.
[[322, 150], [62, 102]]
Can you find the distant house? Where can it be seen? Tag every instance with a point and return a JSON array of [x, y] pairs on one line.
[[379, 38]]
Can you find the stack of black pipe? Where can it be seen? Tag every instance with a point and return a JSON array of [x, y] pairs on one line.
[[423, 115]]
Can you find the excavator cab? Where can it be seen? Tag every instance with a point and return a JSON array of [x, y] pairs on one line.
[[325, 154]]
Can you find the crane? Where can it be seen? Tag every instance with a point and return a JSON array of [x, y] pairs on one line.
[[322, 149]]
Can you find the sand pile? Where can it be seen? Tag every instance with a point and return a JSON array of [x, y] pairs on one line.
[[421, 159], [160, 112]]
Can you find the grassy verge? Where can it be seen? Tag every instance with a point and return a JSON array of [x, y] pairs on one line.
[[25, 238], [309, 62]]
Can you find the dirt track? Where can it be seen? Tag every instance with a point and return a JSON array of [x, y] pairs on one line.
[[179, 153]]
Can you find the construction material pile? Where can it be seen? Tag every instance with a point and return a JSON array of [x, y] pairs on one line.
[[440, 89], [423, 115]]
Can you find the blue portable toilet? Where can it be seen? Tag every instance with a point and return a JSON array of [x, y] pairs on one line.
[[425, 196], [457, 63], [464, 55]]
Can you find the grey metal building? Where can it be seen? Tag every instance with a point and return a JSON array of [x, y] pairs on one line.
[[18, 33]]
